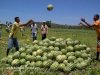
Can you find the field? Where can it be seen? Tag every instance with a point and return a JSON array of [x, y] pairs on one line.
[[87, 37]]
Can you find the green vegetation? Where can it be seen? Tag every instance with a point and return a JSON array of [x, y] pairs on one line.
[[87, 37]]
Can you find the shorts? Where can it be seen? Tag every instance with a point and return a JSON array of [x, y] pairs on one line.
[[12, 42]]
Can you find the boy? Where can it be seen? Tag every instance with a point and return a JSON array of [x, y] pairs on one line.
[[96, 26], [44, 30], [34, 30], [13, 34]]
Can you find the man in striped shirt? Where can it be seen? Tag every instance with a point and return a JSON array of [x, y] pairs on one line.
[[44, 30]]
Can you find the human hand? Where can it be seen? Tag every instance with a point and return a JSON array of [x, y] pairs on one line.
[[10, 35], [83, 20], [30, 21]]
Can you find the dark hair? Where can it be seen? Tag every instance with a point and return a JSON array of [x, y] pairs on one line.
[[16, 18], [96, 15]]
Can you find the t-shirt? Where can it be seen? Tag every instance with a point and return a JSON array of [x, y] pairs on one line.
[[34, 28], [97, 27], [14, 30]]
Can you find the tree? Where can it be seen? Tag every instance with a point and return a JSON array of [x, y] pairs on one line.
[[48, 23]]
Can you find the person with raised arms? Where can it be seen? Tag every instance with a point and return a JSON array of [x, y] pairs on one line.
[[96, 26], [12, 42]]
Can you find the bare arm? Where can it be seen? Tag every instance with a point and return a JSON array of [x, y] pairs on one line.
[[47, 28], [28, 23], [41, 27], [81, 24], [87, 24]]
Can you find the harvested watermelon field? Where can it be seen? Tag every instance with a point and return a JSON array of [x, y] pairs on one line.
[[80, 55]]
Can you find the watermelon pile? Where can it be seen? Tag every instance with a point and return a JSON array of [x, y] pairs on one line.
[[57, 54]]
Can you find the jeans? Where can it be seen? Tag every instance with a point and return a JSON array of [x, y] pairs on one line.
[[12, 42], [34, 35]]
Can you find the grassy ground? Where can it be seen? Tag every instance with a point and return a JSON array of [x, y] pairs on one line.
[[85, 36]]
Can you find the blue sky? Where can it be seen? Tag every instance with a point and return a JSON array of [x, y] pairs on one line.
[[64, 12]]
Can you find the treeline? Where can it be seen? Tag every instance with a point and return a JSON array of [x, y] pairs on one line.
[[54, 25]]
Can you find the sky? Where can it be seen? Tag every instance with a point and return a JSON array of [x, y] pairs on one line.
[[64, 12]]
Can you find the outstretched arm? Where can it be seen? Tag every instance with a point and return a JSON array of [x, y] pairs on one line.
[[87, 24], [28, 23], [81, 24]]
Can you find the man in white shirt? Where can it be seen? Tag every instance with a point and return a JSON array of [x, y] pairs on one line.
[[34, 30]]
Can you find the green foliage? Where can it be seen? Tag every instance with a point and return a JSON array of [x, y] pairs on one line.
[[48, 23]]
